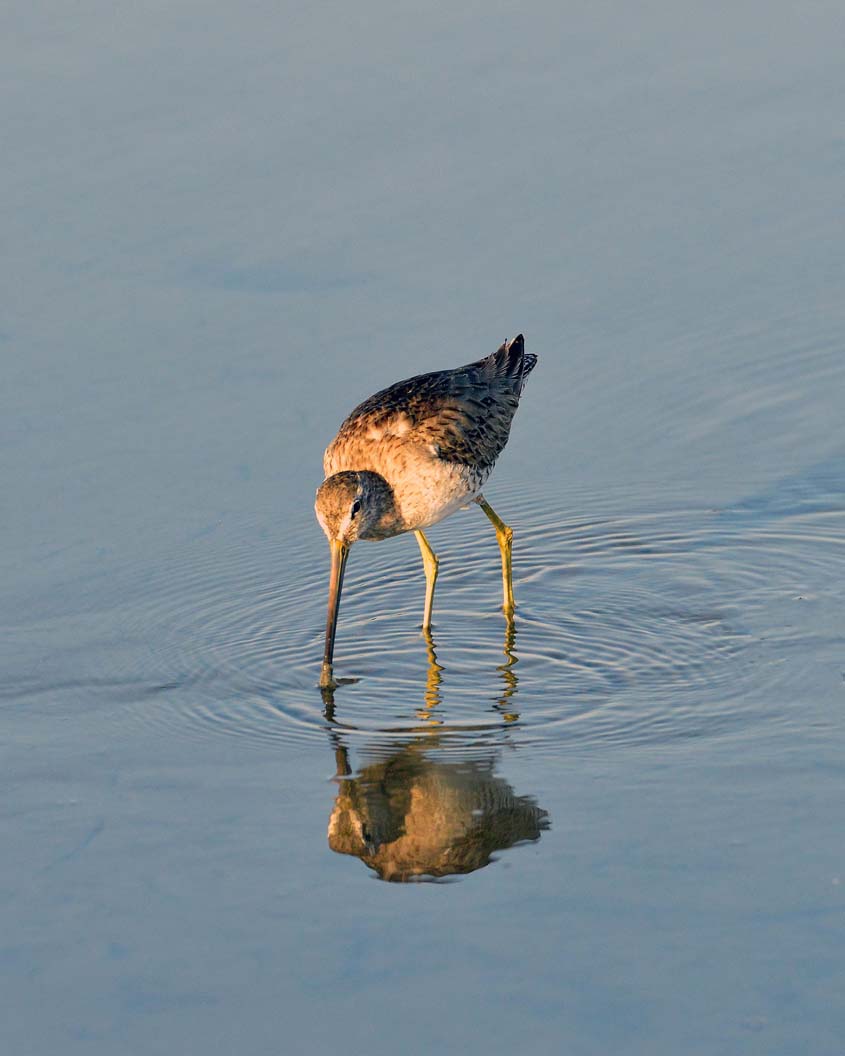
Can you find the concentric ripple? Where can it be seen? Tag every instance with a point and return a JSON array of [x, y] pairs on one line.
[[632, 627]]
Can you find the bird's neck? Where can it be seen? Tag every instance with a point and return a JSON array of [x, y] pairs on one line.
[[379, 496]]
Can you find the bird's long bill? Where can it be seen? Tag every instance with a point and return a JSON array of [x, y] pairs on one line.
[[340, 552]]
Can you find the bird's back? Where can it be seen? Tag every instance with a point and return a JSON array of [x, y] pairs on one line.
[[461, 416]]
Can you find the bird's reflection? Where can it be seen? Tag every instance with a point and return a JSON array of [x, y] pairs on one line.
[[415, 813]]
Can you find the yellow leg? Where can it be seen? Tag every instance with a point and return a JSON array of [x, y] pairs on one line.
[[430, 564], [504, 535]]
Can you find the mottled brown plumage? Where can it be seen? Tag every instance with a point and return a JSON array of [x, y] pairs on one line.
[[435, 437], [414, 453]]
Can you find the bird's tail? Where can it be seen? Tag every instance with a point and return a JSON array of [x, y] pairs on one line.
[[511, 361]]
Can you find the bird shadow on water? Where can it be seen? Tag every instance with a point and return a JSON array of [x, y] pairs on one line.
[[420, 808]]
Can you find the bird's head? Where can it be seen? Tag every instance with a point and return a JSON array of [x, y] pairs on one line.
[[339, 506], [353, 505], [350, 505]]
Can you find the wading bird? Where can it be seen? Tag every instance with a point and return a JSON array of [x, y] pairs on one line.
[[411, 455]]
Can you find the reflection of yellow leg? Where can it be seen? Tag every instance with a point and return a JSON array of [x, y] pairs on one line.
[[505, 537], [432, 683], [509, 676], [430, 564]]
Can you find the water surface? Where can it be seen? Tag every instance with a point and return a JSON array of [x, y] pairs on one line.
[[623, 819]]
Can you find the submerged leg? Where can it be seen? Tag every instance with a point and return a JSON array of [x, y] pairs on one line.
[[430, 564], [504, 535]]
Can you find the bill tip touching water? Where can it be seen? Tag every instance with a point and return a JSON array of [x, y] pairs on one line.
[[411, 455]]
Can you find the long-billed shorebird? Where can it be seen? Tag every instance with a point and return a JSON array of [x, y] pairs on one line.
[[411, 455]]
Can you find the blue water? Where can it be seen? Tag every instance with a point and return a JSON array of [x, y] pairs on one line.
[[223, 229]]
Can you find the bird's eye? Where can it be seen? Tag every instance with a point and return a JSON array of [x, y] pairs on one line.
[[356, 506]]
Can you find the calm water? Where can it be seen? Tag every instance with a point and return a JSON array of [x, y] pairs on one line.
[[222, 230]]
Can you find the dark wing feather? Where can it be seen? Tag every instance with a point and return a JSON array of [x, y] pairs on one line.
[[463, 415]]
